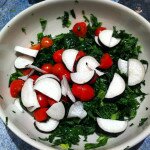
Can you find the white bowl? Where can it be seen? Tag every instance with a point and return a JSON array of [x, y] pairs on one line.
[[111, 14]]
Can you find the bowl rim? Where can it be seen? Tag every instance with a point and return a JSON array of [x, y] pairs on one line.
[[38, 144]]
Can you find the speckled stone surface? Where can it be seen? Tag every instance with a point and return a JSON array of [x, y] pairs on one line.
[[9, 141]]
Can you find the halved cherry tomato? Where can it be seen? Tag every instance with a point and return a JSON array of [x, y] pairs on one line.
[[26, 71], [46, 42], [36, 46], [48, 68], [42, 99], [51, 101], [34, 77], [106, 61], [15, 87], [98, 30], [40, 114], [80, 55], [83, 92], [80, 29], [57, 56]]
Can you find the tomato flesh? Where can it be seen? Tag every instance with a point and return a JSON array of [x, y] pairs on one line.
[[36, 46], [48, 68], [57, 56], [46, 42]]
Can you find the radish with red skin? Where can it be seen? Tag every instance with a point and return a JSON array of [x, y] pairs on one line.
[[34, 77], [80, 55], [123, 66], [99, 30], [51, 101]]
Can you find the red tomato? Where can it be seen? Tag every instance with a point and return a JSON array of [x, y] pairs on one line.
[[80, 55], [80, 29], [42, 99], [48, 68], [15, 87], [26, 71], [34, 77], [36, 46], [66, 73], [57, 56], [83, 92], [51, 101], [46, 42], [40, 114], [98, 30], [106, 61]]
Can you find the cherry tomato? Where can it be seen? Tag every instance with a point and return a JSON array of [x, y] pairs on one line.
[[40, 114], [48, 68], [51, 101], [42, 99], [98, 30], [80, 55], [15, 87], [36, 46], [57, 56], [83, 92], [106, 61], [26, 71], [66, 73], [46, 42], [34, 77], [80, 29]]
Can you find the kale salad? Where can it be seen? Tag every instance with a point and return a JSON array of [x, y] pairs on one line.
[[79, 83]]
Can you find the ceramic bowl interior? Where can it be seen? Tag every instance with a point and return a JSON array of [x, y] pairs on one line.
[[111, 14]]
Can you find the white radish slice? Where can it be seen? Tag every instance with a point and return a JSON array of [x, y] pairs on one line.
[[136, 72], [69, 57], [114, 42], [96, 40], [82, 77], [82, 64], [116, 87], [68, 90], [17, 104], [77, 110], [123, 66], [28, 95], [31, 109], [26, 51], [27, 76], [47, 76], [105, 37], [56, 111], [63, 88], [22, 61], [49, 87], [35, 68], [46, 127], [112, 126]]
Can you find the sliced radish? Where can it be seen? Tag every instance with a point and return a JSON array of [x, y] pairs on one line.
[[82, 77], [69, 57], [63, 88], [22, 61], [123, 66], [47, 76], [77, 110], [46, 127], [27, 76], [112, 126], [66, 89], [26, 51], [136, 72], [114, 42], [56, 111], [35, 68], [28, 95], [116, 87], [17, 104], [82, 64], [105, 37], [96, 40], [49, 87], [31, 109]]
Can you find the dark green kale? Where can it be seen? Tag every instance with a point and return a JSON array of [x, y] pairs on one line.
[[142, 121], [40, 36], [65, 19], [85, 17], [43, 23], [23, 29], [73, 13], [15, 76]]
